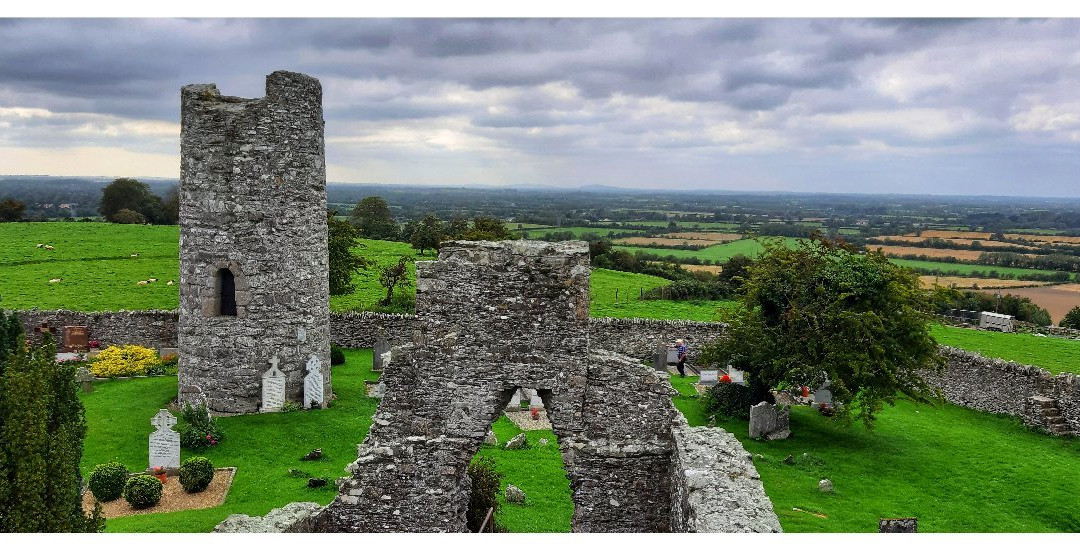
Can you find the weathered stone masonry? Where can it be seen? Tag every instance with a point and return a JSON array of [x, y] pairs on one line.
[[494, 317], [253, 240]]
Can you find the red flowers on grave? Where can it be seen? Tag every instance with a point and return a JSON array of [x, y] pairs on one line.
[[160, 473], [805, 391], [94, 344], [535, 413], [211, 439], [725, 379]]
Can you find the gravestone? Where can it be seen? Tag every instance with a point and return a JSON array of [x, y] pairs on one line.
[[164, 442], [898, 525], [672, 356], [762, 420], [822, 395], [76, 339], [313, 384], [378, 353], [737, 376], [86, 379], [709, 378], [660, 359], [273, 388], [168, 352], [535, 402], [515, 401]]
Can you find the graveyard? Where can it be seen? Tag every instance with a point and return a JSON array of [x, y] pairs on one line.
[[608, 437]]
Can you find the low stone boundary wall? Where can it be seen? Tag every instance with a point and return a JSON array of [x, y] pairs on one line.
[[637, 338], [1006, 387], [715, 487], [149, 328]]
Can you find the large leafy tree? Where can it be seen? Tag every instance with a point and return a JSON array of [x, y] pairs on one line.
[[42, 426], [341, 238], [134, 195], [372, 217], [823, 310], [428, 235]]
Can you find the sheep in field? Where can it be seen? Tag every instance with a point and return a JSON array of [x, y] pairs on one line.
[[56, 280], [142, 283]]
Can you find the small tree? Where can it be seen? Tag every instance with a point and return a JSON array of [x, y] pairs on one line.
[[1072, 319], [456, 228], [393, 276], [341, 238], [428, 235], [130, 194], [127, 216], [42, 425], [822, 310]]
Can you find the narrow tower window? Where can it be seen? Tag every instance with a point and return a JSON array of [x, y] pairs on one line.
[[226, 292]]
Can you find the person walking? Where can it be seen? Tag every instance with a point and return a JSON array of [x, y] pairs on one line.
[[680, 348]]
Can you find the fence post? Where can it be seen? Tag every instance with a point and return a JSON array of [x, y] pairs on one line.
[[616, 295]]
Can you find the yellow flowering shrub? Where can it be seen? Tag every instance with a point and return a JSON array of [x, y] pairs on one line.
[[123, 361]]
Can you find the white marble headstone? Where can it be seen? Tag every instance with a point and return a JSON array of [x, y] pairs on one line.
[[822, 395], [737, 376], [709, 378], [273, 388], [313, 383], [535, 402], [164, 442]]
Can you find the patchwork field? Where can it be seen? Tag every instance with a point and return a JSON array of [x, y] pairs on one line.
[[704, 236], [928, 281], [982, 235], [970, 269], [962, 242], [1057, 299], [579, 231], [714, 269], [892, 250], [715, 253]]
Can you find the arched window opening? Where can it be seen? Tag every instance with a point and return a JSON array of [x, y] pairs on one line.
[[226, 292]]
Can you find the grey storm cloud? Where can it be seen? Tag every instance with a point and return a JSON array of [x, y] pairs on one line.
[[689, 99]]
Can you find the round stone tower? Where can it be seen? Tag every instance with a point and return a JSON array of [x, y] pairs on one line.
[[253, 245]]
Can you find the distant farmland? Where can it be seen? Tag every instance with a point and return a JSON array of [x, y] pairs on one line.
[[970, 269], [715, 253]]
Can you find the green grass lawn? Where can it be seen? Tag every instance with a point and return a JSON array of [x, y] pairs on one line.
[[94, 260], [716, 253], [602, 302], [1053, 354], [263, 447], [955, 469], [368, 290], [969, 269]]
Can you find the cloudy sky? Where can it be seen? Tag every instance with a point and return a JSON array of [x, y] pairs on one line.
[[838, 105]]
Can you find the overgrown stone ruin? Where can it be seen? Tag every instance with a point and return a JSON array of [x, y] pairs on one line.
[[495, 317], [253, 241]]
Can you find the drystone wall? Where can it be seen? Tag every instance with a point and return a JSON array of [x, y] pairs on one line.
[[715, 486], [637, 338], [495, 317], [253, 241], [153, 328], [1006, 387]]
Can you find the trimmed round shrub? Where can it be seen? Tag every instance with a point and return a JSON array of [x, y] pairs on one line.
[[734, 400], [196, 474], [107, 481], [337, 356], [143, 491]]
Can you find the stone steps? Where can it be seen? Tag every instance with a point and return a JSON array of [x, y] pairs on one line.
[[1051, 416]]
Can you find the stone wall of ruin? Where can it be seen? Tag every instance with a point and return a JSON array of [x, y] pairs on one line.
[[492, 318], [715, 486], [149, 328], [1006, 387], [253, 201]]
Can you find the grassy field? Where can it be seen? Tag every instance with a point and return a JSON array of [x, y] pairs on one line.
[[602, 302], [95, 263], [368, 290], [1053, 354], [953, 468], [715, 253], [969, 269], [264, 447]]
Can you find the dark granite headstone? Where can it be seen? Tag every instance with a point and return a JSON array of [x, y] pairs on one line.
[[76, 338], [898, 525], [660, 359]]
